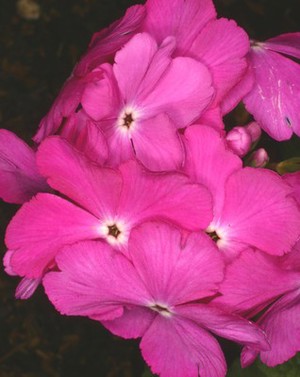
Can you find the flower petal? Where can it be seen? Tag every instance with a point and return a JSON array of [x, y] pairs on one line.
[[106, 42], [222, 46], [168, 196], [133, 323], [293, 180], [65, 104], [209, 161], [288, 44], [225, 324], [281, 324], [183, 92], [238, 92], [41, 227], [259, 212], [175, 273], [85, 135], [175, 347], [101, 98], [132, 63], [166, 18], [70, 172], [254, 280], [94, 281], [19, 176], [157, 144], [273, 99]]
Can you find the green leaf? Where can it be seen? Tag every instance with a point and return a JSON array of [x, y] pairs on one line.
[[288, 166]]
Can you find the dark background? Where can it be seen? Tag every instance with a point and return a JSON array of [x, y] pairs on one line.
[[36, 56]]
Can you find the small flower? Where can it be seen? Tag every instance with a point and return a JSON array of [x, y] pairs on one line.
[[144, 98]]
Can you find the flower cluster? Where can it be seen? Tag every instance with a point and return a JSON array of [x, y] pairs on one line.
[[137, 209]]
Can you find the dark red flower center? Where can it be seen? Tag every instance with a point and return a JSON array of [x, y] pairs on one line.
[[127, 120], [113, 231], [214, 236]]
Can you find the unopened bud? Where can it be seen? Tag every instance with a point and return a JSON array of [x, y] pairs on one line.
[[239, 140], [259, 158], [254, 131]]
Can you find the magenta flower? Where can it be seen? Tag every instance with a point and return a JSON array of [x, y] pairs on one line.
[[19, 176], [105, 203], [66, 103], [158, 295], [144, 98], [255, 282], [107, 42], [165, 18], [273, 100], [251, 206], [220, 44], [103, 47]]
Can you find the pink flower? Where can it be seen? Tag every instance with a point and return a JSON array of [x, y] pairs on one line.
[[19, 176], [220, 44], [157, 295], [66, 103], [106, 42], [102, 48], [273, 100], [165, 18], [105, 203], [255, 282], [251, 206], [144, 98]]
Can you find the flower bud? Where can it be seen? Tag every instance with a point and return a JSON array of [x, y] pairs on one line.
[[259, 158], [254, 131], [239, 140]]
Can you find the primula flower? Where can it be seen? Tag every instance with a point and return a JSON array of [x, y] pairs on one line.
[[255, 282], [103, 46], [66, 103], [106, 42], [144, 98], [158, 295], [251, 206], [274, 98], [105, 203], [19, 176], [220, 44]]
